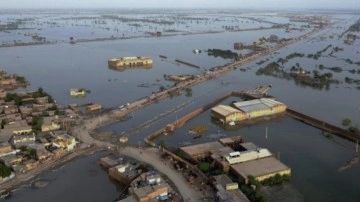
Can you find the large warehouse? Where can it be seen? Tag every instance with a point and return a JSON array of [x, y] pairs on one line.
[[227, 114], [260, 107]]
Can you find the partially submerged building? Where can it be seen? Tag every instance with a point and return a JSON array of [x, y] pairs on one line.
[[130, 61], [248, 160], [260, 107], [226, 114]]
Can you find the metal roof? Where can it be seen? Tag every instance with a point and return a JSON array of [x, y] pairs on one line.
[[256, 105], [225, 110]]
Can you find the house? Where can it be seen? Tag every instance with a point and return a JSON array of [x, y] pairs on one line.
[[49, 124], [22, 140], [25, 110], [42, 100], [93, 107], [18, 127], [11, 160], [3, 93], [65, 141]]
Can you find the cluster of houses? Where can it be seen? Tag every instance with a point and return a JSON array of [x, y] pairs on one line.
[[143, 185], [33, 130]]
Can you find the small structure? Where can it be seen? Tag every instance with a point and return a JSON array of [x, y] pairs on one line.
[[123, 173], [110, 161], [77, 92], [65, 141], [124, 139], [93, 108]]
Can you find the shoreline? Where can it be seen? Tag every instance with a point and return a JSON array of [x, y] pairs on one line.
[[27, 177]]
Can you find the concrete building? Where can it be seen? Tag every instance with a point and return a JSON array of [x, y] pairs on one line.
[[123, 173], [65, 141], [250, 160], [110, 161], [93, 107], [260, 107], [5, 148], [261, 169], [49, 124], [130, 61], [227, 190], [226, 114], [22, 140], [149, 187]]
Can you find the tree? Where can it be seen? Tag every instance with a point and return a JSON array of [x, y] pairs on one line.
[[204, 166], [162, 88], [188, 92], [346, 122], [4, 171], [3, 123], [162, 144], [33, 154]]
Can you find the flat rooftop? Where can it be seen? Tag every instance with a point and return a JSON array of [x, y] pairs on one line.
[[248, 146], [198, 149], [230, 140], [259, 167], [225, 110]]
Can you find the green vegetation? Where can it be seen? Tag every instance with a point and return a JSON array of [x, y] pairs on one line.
[[352, 81], [319, 53], [355, 27], [299, 75], [162, 144], [276, 180], [355, 130], [270, 69], [294, 55], [3, 123], [225, 54], [251, 190], [204, 166], [346, 122], [13, 97], [37, 123], [21, 79], [180, 153], [4, 171], [162, 88], [188, 92], [32, 154]]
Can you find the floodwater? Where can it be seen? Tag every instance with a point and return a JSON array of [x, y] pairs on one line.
[[313, 158], [80, 180]]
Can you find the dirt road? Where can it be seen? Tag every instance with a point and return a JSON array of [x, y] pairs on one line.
[[151, 157]]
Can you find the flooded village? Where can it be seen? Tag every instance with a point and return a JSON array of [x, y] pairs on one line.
[[147, 106]]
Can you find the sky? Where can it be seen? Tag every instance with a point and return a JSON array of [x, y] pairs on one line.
[[256, 4]]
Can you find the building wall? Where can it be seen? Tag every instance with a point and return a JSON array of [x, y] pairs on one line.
[[264, 177], [232, 117], [130, 62]]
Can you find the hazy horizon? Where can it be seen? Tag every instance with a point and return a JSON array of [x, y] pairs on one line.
[[236, 4]]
